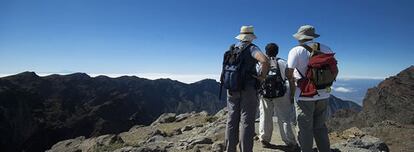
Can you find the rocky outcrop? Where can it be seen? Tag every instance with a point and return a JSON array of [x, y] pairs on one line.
[[185, 132], [387, 112], [392, 99], [354, 139], [197, 132], [36, 112]]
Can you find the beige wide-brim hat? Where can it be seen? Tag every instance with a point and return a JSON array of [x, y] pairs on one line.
[[246, 34], [306, 32]]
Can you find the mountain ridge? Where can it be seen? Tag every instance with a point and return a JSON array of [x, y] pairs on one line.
[[57, 107]]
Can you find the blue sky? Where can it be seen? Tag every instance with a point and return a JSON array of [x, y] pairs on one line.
[[178, 38]]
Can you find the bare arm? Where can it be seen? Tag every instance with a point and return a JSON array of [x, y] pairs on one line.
[[265, 65], [292, 87]]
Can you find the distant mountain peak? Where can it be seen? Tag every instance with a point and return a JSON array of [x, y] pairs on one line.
[[207, 81], [409, 72], [29, 74], [79, 75]]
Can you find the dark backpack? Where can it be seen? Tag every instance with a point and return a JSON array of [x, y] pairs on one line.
[[238, 66], [321, 73], [274, 85]]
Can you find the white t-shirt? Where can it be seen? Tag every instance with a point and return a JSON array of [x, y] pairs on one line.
[[298, 59]]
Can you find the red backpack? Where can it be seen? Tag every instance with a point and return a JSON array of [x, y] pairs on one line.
[[321, 73]]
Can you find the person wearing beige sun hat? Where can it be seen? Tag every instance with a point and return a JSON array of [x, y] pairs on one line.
[[240, 77], [246, 34], [306, 32], [311, 111]]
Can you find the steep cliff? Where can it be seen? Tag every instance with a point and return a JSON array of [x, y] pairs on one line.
[[392, 99], [387, 113]]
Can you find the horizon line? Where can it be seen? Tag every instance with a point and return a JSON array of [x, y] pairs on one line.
[[185, 78]]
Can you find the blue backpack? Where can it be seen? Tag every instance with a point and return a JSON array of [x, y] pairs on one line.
[[238, 68]]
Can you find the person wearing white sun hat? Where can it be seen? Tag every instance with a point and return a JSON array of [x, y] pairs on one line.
[[242, 100]]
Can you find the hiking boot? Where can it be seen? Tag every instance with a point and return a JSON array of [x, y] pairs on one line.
[[266, 144]]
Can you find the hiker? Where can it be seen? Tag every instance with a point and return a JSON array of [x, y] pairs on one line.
[[310, 94], [275, 97], [240, 78]]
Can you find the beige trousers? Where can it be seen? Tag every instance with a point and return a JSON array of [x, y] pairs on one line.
[[285, 113]]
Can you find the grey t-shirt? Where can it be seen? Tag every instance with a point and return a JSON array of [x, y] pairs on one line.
[[253, 49]]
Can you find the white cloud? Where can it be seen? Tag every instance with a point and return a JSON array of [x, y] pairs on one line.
[[342, 89], [353, 77]]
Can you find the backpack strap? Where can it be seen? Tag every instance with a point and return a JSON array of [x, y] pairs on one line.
[[311, 49], [300, 73], [307, 47], [319, 45], [277, 65]]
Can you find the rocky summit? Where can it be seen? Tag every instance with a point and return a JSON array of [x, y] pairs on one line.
[[170, 132], [198, 132]]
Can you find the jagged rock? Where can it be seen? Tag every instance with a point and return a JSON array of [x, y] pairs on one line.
[[366, 143], [165, 118], [130, 149], [352, 133], [182, 117], [201, 140], [198, 125], [186, 128], [156, 138], [87, 145], [217, 147], [211, 131], [196, 149], [343, 148], [157, 132], [356, 140], [222, 113], [70, 145], [138, 149], [177, 131]]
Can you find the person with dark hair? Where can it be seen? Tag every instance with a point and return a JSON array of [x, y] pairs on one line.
[[272, 50], [280, 104]]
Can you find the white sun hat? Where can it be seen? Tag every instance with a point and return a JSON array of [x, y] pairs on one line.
[[246, 34]]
